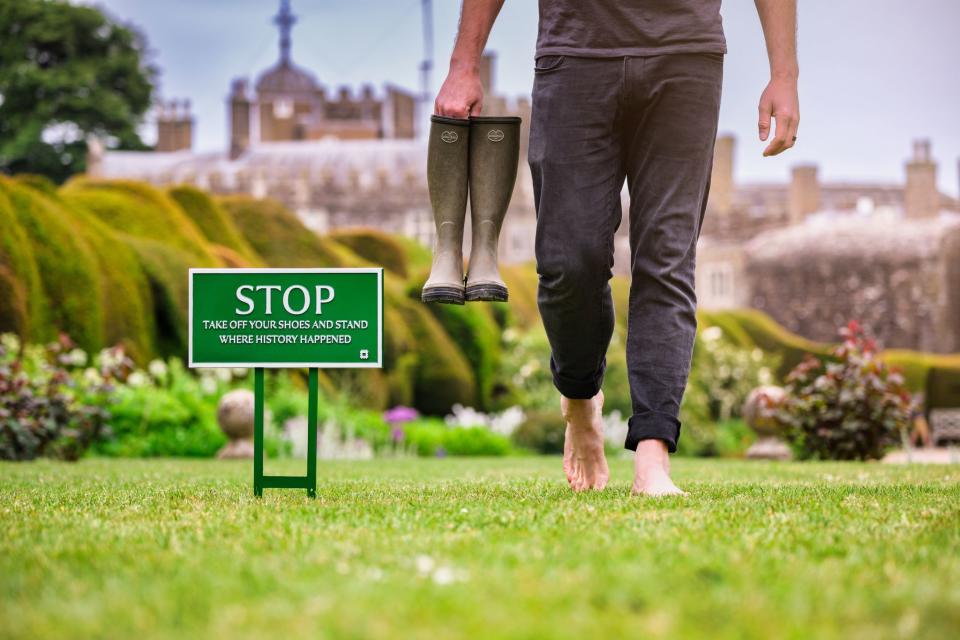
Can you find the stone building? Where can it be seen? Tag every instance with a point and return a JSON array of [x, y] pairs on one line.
[[337, 161], [815, 255]]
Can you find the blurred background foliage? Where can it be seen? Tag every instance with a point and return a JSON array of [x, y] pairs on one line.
[[105, 263]]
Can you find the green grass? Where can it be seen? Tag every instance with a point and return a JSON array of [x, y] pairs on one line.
[[477, 548]]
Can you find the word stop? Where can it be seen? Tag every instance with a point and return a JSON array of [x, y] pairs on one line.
[[296, 299]]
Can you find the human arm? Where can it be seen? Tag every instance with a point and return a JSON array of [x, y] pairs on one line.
[[780, 100], [462, 94]]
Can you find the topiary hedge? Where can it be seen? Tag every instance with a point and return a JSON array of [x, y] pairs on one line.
[[23, 306], [763, 331], [143, 211], [278, 236], [125, 296], [442, 376], [166, 269], [376, 247], [215, 224], [66, 264], [473, 328]]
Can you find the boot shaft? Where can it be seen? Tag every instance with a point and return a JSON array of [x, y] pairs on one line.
[[494, 157], [448, 170]]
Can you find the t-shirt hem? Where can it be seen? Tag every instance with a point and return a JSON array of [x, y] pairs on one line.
[[621, 52]]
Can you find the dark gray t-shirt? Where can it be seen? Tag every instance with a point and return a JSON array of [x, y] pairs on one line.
[[613, 28]]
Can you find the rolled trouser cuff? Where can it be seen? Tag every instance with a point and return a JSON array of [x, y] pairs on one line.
[[578, 389], [653, 425]]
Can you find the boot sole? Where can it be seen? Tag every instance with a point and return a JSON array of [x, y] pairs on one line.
[[443, 295], [486, 293]]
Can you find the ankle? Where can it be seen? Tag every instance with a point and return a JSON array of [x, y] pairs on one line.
[[652, 452]]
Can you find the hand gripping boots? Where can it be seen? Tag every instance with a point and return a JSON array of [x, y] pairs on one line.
[[483, 151]]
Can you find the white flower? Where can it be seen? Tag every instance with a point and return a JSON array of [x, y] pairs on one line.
[[424, 564], [10, 342], [711, 333], [208, 385], [77, 357], [239, 372], [444, 576], [158, 369], [137, 379], [91, 376], [223, 375]]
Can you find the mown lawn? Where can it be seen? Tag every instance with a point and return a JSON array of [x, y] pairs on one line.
[[476, 549]]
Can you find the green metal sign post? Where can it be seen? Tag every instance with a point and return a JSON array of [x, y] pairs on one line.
[[286, 318]]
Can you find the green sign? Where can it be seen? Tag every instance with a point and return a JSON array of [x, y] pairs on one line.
[[286, 318]]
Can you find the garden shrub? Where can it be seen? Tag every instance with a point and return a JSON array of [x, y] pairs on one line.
[[14, 316], [377, 247], [166, 269], [766, 334], [217, 227], [170, 415], [230, 258], [473, 328], [943, 386], [49, 405], [521, 281], [525, 368], [401, 380], [541, 432], [143, 211], [361, 387], [431, 437], [126, 300], [443, 376], [722, 375], [851, 409], [616, 381], [278, 236], [417, 256], [24, 308], [67, 266]]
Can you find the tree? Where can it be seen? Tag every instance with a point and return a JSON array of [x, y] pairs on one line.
[[67, 72]]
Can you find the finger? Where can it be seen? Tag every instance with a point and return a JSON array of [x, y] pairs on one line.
[[779, 141], [764, 124], [476, 107], [792, 135]]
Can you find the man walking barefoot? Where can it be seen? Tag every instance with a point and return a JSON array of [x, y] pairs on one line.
[[624, 90]]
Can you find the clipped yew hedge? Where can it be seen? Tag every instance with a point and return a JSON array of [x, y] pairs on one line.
[[71, 288], [23, 307], [278, 236], [376, 247], [141, 210], [216, 225]]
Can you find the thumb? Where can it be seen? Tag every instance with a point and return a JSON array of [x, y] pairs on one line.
[[764, 125]]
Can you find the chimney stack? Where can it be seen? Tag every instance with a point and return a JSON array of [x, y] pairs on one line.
[[486, 72], [921, 198], [804, 192], [239, 116], [174, 126], [721, 178]]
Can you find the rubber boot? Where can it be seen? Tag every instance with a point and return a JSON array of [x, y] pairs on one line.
[[448, 158], [494, 155]]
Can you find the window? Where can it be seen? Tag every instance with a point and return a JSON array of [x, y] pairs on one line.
[[282, 108]]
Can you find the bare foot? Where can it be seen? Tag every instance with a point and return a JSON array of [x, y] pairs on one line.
[[651, 470], [584, 461]]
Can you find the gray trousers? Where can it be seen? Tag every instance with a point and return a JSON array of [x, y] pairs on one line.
[[596, 122]]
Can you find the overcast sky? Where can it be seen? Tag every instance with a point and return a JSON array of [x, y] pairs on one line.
[[875, 74]]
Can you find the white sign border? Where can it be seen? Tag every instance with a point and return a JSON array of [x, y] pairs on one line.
[[287, 365]]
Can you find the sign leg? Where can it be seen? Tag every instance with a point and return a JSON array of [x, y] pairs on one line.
[[312, 433], [258, 432]]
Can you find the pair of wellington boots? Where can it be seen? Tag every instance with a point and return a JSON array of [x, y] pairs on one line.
[[480, 156]]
